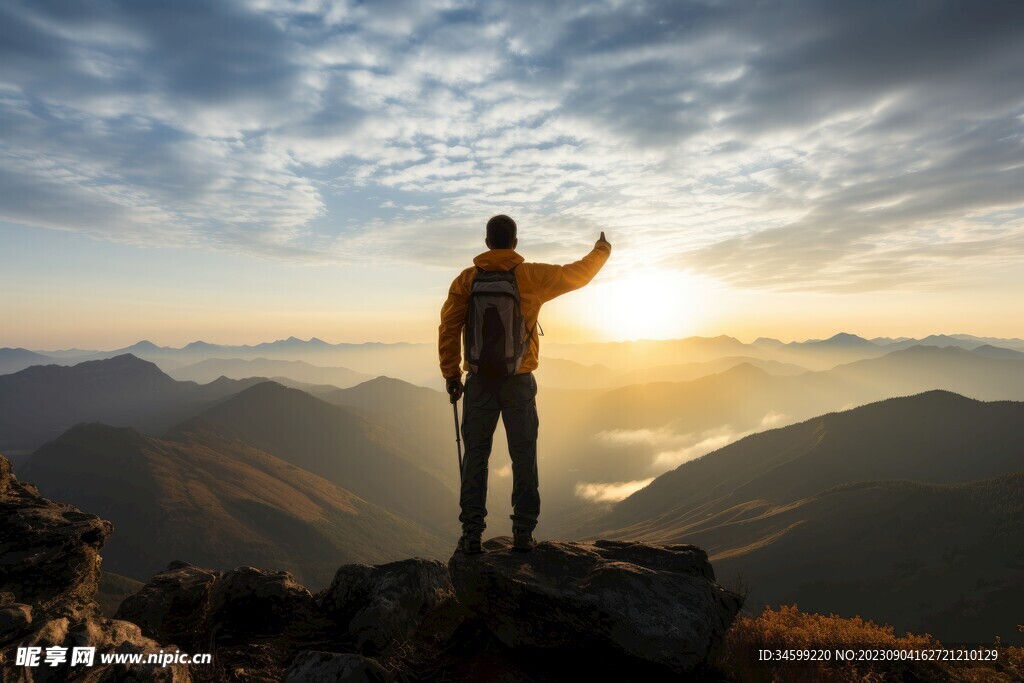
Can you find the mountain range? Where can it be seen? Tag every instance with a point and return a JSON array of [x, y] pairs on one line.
[[907, 510], [889, 485], [417, 362], [40, 402], [338, 444], [236, 368], [200, 494]]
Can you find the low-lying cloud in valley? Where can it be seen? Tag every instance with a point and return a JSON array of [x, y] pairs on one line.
[[668, 450], [610, 492]]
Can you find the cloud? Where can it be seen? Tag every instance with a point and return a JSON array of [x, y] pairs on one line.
[[810, 146], [701, 443], [668, 450], [671, 449], [609, 493], [632, 437], [668, 460]]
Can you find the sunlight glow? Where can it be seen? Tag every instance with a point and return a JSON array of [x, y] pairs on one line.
[[657, 304]]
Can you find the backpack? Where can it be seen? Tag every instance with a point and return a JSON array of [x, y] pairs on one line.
[[495, 330]]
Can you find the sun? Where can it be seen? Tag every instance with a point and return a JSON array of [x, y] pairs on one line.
[[655, 304]]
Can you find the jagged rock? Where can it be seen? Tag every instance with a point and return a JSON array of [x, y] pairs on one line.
[[15, 619], [253, 621], [49, 575], [655, 603], [386, 603], [331, 667], [247, 600], [49, 552], [174, 606], [186, 604], [107, 636]]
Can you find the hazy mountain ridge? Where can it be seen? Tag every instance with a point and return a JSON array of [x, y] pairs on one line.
[[635, 432], [420, 419], [338, 444], [602, 436], [907, 510], [566, 374], [40, 402], [228, 438], [402, 359], [13, 360], [937, 437], [237, 368], [199, 494], [415, 361]]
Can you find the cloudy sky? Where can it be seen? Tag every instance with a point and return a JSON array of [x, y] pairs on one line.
[[244, 171]]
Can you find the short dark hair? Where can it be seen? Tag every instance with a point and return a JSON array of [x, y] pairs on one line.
[[501, 232]]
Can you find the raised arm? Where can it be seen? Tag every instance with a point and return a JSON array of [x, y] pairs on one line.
[[554, 280], [449, 332]]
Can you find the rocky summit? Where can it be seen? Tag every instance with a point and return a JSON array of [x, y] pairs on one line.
[[563, 610], [656, 603]]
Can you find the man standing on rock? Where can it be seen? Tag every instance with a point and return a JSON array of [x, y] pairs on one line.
[[493, 307]]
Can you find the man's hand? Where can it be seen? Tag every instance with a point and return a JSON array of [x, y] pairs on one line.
[[454, 388], [601, 240]]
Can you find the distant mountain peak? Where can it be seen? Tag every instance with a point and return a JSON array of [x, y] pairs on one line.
[[270, 387], [768, 342], [944, 394], [997, 352], [847, 337], [384, 379], [745, 369], [273, 396], [841, 340], [199, 344]]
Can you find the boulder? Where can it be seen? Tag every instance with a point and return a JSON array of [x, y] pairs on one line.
[[658, 604], [106, 636], [385, 604], [250, 601], [15, 619], [174, 606], [332, 667]]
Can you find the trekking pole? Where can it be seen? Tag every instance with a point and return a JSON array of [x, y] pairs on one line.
[[458, 441]]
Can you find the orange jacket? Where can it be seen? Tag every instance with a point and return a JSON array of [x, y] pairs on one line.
[[538, 282]]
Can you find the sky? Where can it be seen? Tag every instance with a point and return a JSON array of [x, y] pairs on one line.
[[243, 171]]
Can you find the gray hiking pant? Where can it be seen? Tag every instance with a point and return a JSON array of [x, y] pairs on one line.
[[514, 398]]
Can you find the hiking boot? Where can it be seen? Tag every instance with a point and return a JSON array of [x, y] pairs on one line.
[[469, 543], [523, 541]]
